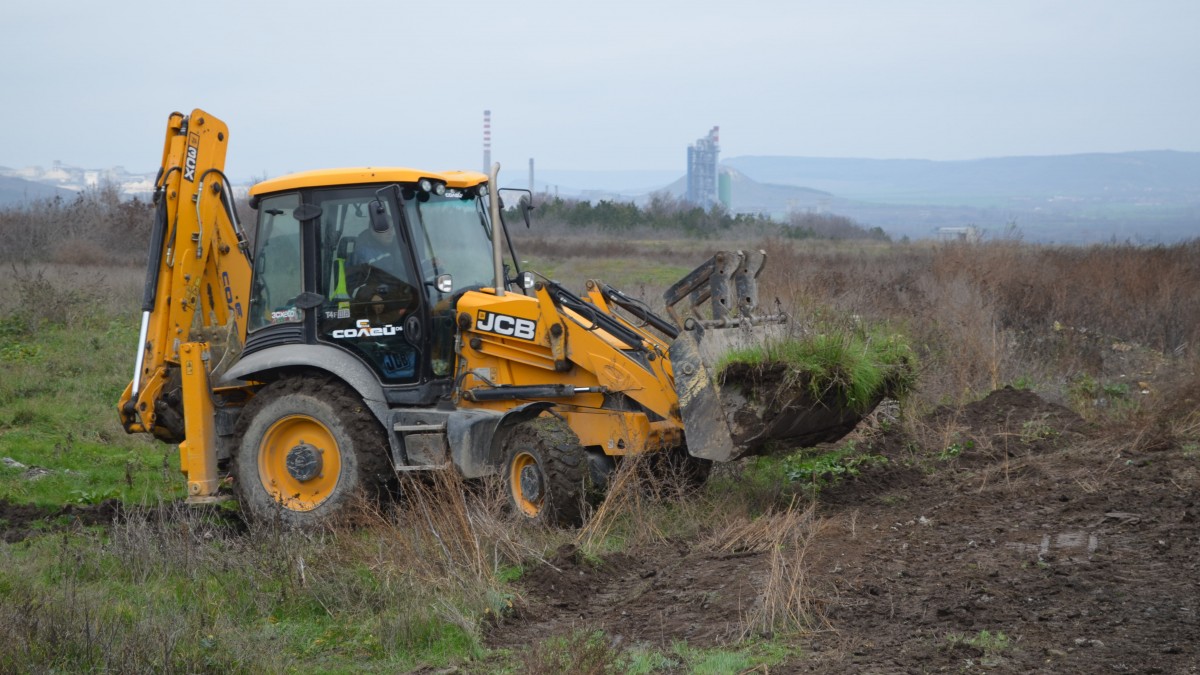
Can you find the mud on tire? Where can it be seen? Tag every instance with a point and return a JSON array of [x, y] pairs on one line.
[[308, 447], [546, 473]]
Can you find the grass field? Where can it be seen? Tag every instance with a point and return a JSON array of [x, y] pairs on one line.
[[440, 579]]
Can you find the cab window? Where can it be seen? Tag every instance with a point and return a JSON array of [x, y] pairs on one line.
[[278, 277]]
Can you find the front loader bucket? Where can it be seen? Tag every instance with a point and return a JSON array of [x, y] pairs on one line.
[[724, 422], [725, 416]]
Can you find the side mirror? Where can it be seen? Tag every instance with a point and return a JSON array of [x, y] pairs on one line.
[[527, 280], [380, 222], [444, 283], [525, 205]]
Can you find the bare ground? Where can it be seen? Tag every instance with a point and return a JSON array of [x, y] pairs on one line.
[[1080, 545]]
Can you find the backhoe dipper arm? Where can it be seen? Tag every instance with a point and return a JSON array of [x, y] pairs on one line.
[[197, 280]]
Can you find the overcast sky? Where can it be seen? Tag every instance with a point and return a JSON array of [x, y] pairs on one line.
[[597, 85]]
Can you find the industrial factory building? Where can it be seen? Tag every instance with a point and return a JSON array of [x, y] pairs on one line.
[[707, 185]]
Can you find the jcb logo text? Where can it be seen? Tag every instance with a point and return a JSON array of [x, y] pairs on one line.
[[503, 324]]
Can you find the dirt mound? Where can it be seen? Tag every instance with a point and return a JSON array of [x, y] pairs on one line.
[[1009, 409], [1007, 422]]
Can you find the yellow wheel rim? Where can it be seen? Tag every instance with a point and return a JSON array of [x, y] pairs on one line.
[[530, 504], [299, 462]]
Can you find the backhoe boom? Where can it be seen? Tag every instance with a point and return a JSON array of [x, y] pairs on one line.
[[197, 285]]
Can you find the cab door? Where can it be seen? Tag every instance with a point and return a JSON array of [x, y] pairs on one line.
[[371, 300]]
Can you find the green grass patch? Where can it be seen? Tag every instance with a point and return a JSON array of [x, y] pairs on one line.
[[856, 366], [736, 660], [826, 469], [991, 645], [58, 417], [177, 590]]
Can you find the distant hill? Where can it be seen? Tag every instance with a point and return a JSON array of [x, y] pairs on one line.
[[1139, 196], [19, 190], [1167, 174]]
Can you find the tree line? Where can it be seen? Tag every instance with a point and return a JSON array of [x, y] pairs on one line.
[[100, 226], [666, 216]]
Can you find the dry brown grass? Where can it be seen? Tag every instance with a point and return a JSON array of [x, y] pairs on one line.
[[38, 293], [97, 227], [985, 315], [787, 602], [646, 504]]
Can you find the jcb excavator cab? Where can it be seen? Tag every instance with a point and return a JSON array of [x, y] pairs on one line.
[[366, 261]]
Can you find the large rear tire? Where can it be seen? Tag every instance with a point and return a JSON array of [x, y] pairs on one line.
[[547, 476], [308, 448]]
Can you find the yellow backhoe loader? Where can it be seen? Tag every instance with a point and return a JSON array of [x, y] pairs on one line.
[[376, 321]]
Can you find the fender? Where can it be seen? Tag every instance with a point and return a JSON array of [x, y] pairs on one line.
[[476, 437], [318, 357], [324, 358]]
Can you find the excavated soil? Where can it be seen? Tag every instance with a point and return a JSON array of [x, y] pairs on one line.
[[1081, 546], [771, 402]]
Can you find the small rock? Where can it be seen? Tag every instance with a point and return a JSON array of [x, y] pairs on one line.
[[35, 473], [11, 463]]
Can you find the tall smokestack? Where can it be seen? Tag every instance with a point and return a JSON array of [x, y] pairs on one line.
[[487, 141], [531, 175]]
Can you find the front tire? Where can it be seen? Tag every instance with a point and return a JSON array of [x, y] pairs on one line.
[[308, 447], [547, 476]]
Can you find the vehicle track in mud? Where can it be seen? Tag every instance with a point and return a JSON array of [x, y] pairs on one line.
[[21, 521], [1080, 545]]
